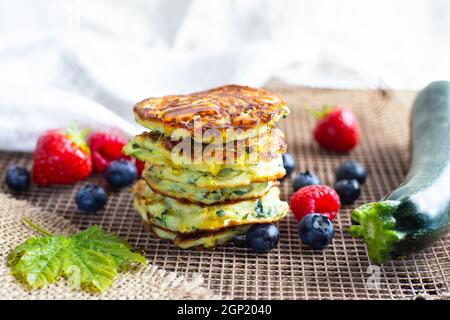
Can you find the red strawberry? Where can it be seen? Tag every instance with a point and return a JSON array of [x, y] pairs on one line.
[[315, 199], [106, 147], [61, 157], [337, 129]]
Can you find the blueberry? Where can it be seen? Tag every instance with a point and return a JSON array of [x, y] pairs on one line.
[[316, 231], [262, 237], [121, 173], [91, 198], [18, 178], [288, 163], [305, 179], [348, 190], [240, 240], [351, 169]]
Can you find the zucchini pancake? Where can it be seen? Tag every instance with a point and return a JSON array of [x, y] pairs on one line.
[[212, 161]]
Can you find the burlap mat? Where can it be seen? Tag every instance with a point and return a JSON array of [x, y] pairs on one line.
[[148, 282], [290, 271]]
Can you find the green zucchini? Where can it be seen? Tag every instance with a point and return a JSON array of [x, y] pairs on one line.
[[417, 213]]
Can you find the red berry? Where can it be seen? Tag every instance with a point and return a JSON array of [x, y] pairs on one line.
[[315, 199], [61, 157], [106, 147], [337, 130], [140, 165]]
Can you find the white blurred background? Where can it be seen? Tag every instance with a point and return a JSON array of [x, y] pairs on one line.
[[89, 61]]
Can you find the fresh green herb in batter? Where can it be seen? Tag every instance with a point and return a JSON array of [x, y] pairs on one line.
[[240, 192], [220, 213], [163, 218], [260, 209]]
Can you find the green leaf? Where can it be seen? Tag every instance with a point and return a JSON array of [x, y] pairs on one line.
[[319, 114], [90, 260], [79, 137]]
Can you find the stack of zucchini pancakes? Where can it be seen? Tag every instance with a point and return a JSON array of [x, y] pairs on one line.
[[212, 161]]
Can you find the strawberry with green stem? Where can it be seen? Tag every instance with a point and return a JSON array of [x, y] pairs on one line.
[[62, 157], [336, 129]]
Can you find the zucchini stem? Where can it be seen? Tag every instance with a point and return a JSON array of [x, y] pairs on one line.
[[377, 229]]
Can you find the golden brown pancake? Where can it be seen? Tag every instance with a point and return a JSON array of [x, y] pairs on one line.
[[200, 240], [265, 147], [225, 179], [185, 218], [232, 107], [191, 193]]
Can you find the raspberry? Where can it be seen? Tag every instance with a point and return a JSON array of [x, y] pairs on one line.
[[315, 199], [106, 147], [140, 166]]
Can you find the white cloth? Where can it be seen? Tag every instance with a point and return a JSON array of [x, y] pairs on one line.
[[90, 61]]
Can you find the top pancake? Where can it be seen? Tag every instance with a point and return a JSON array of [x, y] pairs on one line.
[[230, 112]]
